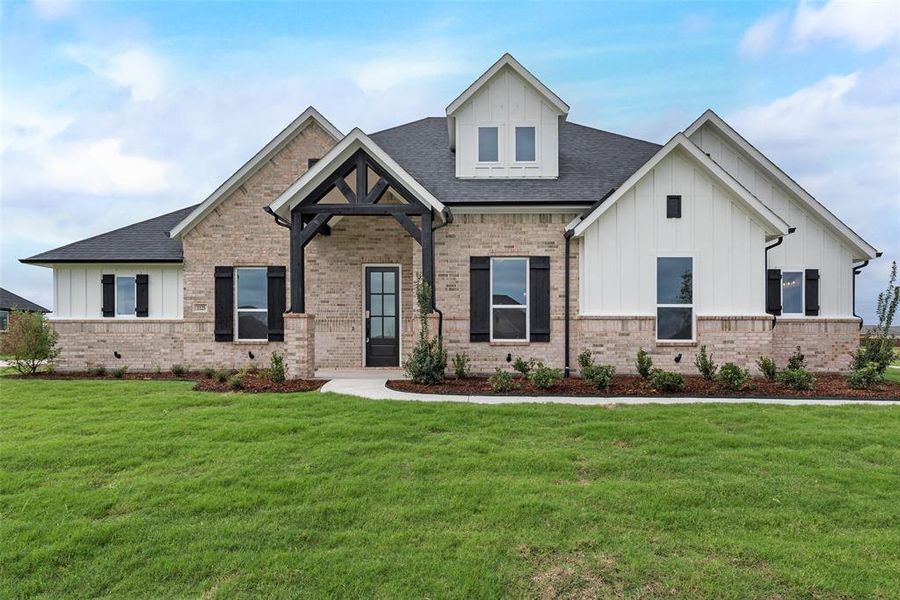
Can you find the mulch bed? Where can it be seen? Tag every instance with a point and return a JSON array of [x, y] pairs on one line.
[[251, 383], [827, 386], [164, 375]]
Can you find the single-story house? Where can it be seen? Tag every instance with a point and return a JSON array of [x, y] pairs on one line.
[[540, 238], [10, 302]]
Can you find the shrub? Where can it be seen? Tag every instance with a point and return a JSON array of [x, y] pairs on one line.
[[501, 381], [428, 359], [733, 377], [666, 381], [209, 372], [644, 364], [276, 367], [29, 341], [877, 346], [585, 359], [157, 369], [705, 364], [98, 371], [178, 370], [119, 372], [797, 379], [524, 366], [599, 375], [222, 375], [767, 367], [865, 377], [544, 377], [236, 382], [797, 360], [461, 366]]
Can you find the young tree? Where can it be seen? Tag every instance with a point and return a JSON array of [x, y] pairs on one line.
[[876, 345], [428, 359], [30, 341]]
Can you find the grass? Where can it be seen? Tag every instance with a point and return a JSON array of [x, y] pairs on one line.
[[148, 489]]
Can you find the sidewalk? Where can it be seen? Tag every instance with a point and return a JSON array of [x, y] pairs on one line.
[[374, 388]]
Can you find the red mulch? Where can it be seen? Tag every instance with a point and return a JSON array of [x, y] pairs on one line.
[[164, 375], [255, 384], [827, 386]]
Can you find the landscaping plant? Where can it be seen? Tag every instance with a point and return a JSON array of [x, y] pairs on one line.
[[461, 366], [865, 377], [524, 366], [29, 341], [705, 364], [98, 371], [428, 360], [733, 377], [876, 346], [209, 372], [178, 370], [276, 367], [767, 367], [544, 377], [644, 364], [222, 375], [797, 360], [666, 381], [599, 375], [501, 381], [236, 382], [119, 372], [797, 379]]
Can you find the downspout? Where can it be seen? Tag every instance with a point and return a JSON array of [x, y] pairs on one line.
[[775, 245], [568, 236], [278, 219], [856, 271], [448, 218]]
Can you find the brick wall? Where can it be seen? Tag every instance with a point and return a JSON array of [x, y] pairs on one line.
[[143, 345]]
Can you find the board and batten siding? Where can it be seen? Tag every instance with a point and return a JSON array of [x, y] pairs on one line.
[[77, 290], [619, 250], [507, 101], [812, 246]]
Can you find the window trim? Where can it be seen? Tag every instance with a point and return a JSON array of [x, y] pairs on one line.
[[527, 306], [478, 160], [516, 144], [116, 278], [692, 305], [4, 322], [237, 310], [802, 272]]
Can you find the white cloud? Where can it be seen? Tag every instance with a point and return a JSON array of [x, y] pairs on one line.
[[864, 25], [761, 36], [142, 72]]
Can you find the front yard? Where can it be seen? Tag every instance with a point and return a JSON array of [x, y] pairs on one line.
[[149, 489]]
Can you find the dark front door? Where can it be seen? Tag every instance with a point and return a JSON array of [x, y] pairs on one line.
[[382, 317]]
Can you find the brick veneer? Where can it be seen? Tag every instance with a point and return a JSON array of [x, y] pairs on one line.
[[143, 345], [299, 345]]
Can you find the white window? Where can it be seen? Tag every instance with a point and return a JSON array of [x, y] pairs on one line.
[[525, 145], [126, 294], [509, 299], [252, 297], [4, 320], [792, 292], [488, 144], [675, 298]]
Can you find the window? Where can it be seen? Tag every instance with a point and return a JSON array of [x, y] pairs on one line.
[[509, 299], [488, 144], [525, 151], [675, 298], [4, 320], [252, 303], [125, 295], [792, 292], [673, 207]]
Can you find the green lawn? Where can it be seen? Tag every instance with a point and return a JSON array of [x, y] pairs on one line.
[[147, 489]]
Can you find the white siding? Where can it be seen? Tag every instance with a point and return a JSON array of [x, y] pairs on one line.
[[619, 250], [812, 246], [507, 101], [78, 292]]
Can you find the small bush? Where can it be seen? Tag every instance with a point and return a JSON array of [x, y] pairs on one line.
[[157, 369], [797, 379], [501, 381], [222, 375], [119, 372], [644, 364], [585, 359], [599, 375], [98, 371], [733, 377], [461, 366], [524, 366], [29, 341], [178, 370], [666, 381], [705, 364], [544, 377], [209, 372], [866, 377], [797, 360], [428, 359], [766, 366], [276, 367], [236, 382]]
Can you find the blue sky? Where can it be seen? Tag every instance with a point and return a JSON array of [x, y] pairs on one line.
[[115, 112]]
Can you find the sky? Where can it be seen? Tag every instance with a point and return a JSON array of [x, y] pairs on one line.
[[111, 113]]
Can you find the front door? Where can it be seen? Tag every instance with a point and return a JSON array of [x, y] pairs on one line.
[[382, 316]]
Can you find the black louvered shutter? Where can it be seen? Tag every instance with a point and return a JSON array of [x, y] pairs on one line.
[[479, 299], [142, 301], [276, 304], [773, 291], [812, 292], [224, 304], [539, 297], [109, 295]]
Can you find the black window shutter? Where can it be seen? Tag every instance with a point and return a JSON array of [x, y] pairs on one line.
[[539, 297], [812, 292], [773, 291], [109, 295], [276, 299], [224, 304], [673, 207], [142, 301], [479, 299]]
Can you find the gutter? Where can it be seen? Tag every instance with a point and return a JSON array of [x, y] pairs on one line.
[[447, 219], [278, 220], [568, 237], [775, 245], [856, 271]]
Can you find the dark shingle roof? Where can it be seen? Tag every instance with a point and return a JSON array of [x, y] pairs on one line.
[[147, 241], [9, 301], [591, 162]]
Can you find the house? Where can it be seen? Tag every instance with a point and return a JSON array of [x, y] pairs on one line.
[[540, 238], [10, 302]]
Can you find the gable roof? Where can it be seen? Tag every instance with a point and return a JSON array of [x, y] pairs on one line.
[[344, 149], [310, 115], [775, 225], [9, 301], [591, 161], [144, 242], [865, 249]]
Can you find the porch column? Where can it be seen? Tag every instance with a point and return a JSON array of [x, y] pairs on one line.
[[428, 254], [298, 283]]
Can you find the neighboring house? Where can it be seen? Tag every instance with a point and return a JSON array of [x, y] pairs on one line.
[[540, 238], [10, 302]]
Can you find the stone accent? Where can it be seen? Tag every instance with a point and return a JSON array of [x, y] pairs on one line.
[[143, 345], [300, 346]]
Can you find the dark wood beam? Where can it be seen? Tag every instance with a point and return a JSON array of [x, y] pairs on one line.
[[362, 209], [398, 187], [324, 230], [378, 190], [298, 276], [428, 254], [362, 176], [310, 231], [409, 226], [323, 188], [340, 184]]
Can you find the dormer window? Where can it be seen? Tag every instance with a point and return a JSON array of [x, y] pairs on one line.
[[488, 144], [525, 146]]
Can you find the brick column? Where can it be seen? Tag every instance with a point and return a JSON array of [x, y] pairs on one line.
[[299, 345]]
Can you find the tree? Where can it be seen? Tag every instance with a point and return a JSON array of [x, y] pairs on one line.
[[30, 341], [876, 346], [428, 359]]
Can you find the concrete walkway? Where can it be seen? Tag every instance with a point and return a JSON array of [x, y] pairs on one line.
[[374, 387]]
